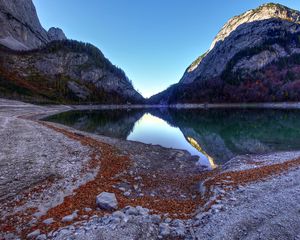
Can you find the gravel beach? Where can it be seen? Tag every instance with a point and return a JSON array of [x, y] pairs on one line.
[[50, 176]]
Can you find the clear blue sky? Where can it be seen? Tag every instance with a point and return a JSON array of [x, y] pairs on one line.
[[153, 41]]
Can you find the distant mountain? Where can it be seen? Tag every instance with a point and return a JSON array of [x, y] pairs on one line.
[[44, 66], [254, 58]]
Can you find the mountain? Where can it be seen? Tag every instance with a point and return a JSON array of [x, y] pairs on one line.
[[254, 58], [44, 66], [21, 28]]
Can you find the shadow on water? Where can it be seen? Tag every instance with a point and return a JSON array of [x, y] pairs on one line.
[[110, 123], [216, 135]]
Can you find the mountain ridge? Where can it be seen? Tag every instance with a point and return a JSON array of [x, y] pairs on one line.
[[237, 62], [46, 67], [263, 12]]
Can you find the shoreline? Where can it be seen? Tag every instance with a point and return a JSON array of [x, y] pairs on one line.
[[217, 187], [281, 105]]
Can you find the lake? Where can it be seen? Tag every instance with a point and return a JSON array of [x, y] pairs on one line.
[[214, 135]]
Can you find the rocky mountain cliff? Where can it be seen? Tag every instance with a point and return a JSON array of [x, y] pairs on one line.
[[64, 72], [254, 58], [43, 66], [21, 28]]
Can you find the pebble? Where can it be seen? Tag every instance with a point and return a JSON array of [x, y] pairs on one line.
[[126, 194], [180, 231], [72, 228], [131, 211], [156, 218], [142, 211], [41, 237], [107, 201], [88, 209], [70, 218], [115, 220], [221, 191], [217, 207], [50, 234], [48, 221], [62, 231], [203, 215], [38, 214], [32, 222], [164, 229], [119, 214], [152, 195], [34, 234]]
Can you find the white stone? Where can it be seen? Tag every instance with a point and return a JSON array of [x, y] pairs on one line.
[[34, 234], [107, 201], [70, 218]]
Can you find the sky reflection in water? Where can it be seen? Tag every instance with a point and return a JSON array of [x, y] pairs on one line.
[[153, 130], [215, 135]]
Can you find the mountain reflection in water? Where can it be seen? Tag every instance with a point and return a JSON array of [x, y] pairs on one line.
[[215, 135]]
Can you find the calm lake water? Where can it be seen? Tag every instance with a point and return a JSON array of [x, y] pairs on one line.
[[215, 135]]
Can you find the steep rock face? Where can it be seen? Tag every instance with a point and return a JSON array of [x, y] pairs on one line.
[[55, 34], [65, 71], [246, 36], [258, 33], [237, 67], [42, 66], [21, 28], [263, 12]]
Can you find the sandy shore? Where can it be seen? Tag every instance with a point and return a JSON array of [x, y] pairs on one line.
[[49, 171]]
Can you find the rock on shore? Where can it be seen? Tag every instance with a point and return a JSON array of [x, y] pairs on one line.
[[107, 201]]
